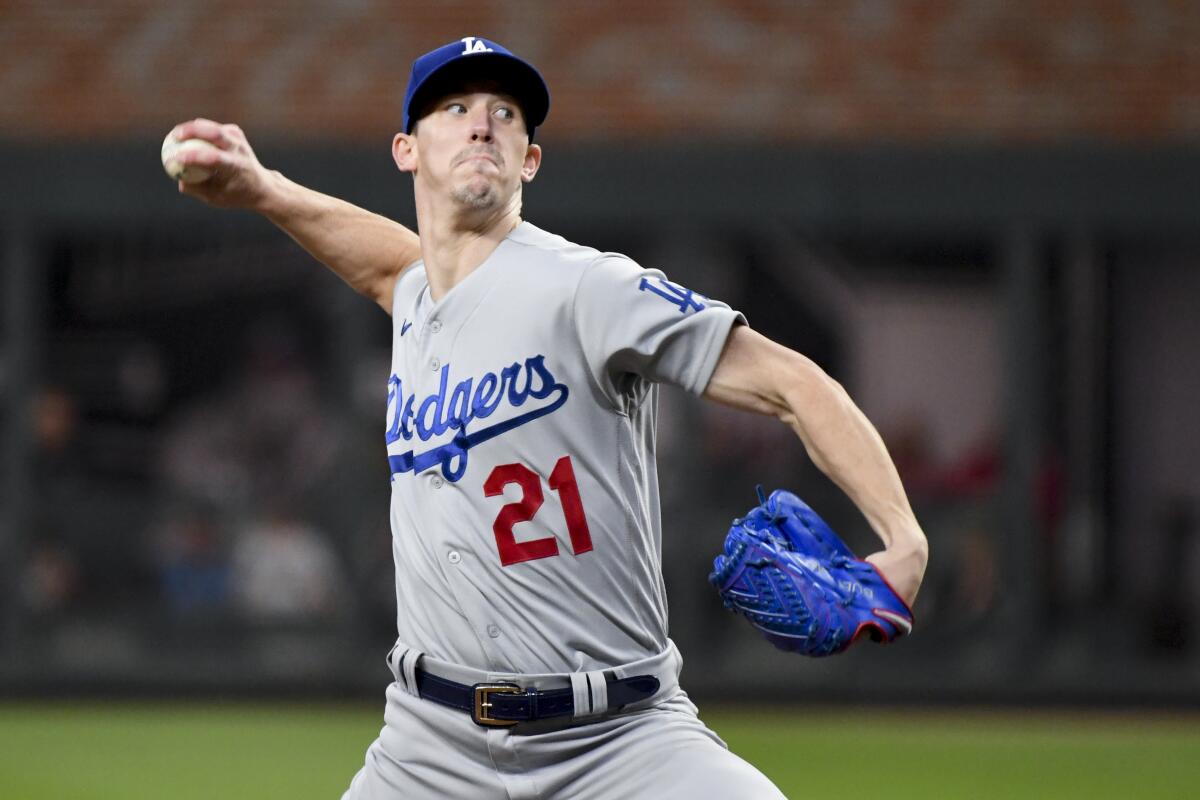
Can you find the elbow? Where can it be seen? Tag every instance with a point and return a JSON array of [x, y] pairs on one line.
[[807, 389]]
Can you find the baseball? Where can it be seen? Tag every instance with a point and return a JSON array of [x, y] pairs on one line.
[[172, 148]]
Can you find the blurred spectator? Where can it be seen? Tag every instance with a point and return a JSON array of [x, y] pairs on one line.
[[268, 432], [261, 453], [285, 570], [142, 380], [51, 579], [55, 416], [50, 583], [195, 568], [83, 515]]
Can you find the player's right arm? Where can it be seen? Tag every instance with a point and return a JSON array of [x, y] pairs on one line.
[[366, 250]]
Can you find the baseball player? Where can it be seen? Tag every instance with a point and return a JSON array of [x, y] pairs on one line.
[[533, 659]]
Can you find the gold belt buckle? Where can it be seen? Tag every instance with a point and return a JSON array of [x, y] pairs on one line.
[[483, 694]]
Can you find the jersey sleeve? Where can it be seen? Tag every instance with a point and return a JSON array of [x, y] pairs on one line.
[[634, 323]]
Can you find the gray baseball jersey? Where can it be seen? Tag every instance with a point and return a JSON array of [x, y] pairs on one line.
[[520, 435], [526, 534]]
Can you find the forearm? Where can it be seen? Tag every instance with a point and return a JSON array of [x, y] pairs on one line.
[[844, 445], [758, 375], [841, 441], [364, 249]]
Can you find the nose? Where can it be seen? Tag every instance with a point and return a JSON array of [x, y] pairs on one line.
[[481, 124]]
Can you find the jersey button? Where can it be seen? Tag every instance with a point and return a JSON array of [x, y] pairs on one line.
[[435, 365], [493, 631], [437, 481], [453, 557], [435, 326]]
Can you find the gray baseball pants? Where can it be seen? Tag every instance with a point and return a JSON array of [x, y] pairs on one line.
[[428, 751]]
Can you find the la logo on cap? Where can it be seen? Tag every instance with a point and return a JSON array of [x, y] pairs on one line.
[[472, 44]]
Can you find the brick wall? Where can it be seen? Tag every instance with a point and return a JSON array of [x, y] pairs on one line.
[[808, 70]]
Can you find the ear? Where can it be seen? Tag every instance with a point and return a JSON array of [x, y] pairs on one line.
[[404, 152], [533, 160]]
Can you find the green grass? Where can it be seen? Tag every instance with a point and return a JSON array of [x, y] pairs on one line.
[[105, 752]]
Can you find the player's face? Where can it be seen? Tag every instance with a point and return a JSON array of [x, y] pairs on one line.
[[472, 146]]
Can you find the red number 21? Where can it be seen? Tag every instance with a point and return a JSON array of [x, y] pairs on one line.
[[562, 480]]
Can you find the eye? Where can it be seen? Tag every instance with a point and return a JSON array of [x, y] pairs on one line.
[[504, 112], [456, 108]]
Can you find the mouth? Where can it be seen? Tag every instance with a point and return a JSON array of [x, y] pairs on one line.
[[479, 157]]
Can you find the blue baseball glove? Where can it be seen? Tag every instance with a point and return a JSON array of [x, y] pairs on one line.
[[787, 572]]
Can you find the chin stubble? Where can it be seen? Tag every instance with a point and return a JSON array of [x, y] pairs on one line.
[[476, 199]]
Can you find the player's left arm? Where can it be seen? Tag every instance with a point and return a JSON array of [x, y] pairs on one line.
[[759, 375]]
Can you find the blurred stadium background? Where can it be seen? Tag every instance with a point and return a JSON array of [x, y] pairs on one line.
[[983, 217]]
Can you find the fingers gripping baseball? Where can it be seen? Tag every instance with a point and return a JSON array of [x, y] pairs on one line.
[[236, 178]]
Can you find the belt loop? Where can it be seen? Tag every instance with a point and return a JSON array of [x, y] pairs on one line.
[[598, 684], [391, 661], [582, 697], [590, 690], [408, 665], [388, 658], [402, 661]]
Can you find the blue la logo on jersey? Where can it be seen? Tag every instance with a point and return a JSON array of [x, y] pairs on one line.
[[453, 409], [673, 293]]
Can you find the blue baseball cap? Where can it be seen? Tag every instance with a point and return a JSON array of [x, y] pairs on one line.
[[446, 68]]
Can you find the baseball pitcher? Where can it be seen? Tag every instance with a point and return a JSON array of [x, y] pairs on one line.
[[532, 658]]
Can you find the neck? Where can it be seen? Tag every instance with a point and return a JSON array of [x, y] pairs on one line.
[[456, 240]]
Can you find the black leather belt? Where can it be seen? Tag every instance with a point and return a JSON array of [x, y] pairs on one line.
[[504, 704]]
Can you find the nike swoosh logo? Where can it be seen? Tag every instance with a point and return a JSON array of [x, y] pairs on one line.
[[404, 326]]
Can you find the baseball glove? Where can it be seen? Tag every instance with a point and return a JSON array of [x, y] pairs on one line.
[[787, 572]]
